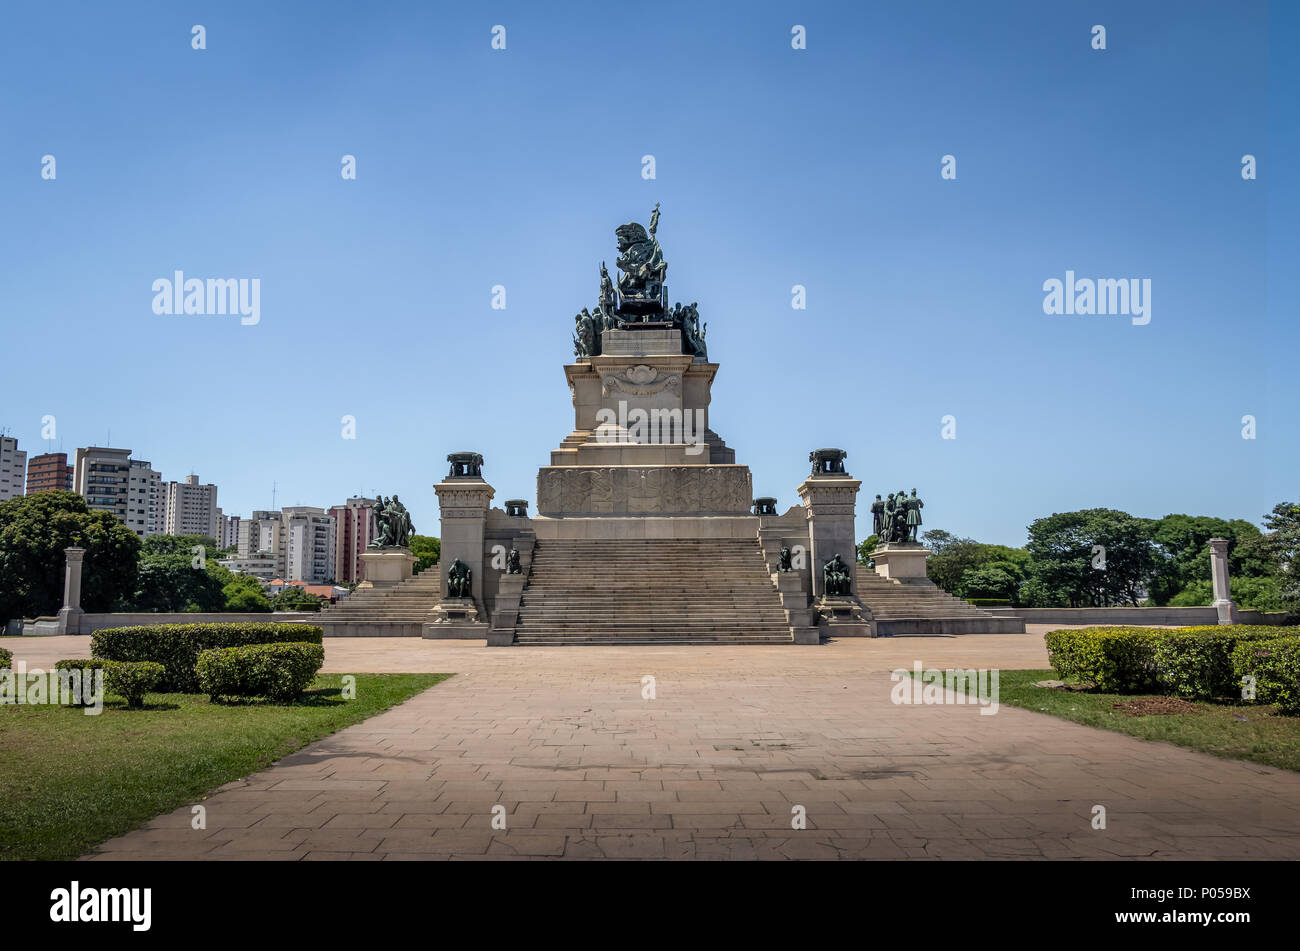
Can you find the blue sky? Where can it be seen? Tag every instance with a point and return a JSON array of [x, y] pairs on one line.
[[774, 167]]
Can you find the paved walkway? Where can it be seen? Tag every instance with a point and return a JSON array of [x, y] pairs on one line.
[[715, 764]]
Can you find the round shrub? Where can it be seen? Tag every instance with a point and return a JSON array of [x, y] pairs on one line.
[[177, 646], [1196, 662], [78, 673], [278, 672], [1275, 667], [1112, 659], [6, 659], [131, 680]]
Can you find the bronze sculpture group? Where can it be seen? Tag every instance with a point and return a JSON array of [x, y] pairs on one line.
[[642, 296], [393, 526], [897, 519]]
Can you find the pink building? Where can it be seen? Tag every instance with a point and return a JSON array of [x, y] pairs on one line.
[[354, 528]]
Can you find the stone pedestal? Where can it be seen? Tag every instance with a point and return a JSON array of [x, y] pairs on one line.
[[510, 589], [70, 613], [840, 616], [385, 567], [794, 599], [901, 561], [1223, 602], [455, 618]]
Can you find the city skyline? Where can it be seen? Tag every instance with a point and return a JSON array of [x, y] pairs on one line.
[[775, 168]]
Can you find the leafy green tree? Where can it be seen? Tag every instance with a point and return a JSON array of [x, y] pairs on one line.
[[294, 598], [1260, 594], [868, 545], [244, 593], [1280, 545], [1183, 543], [994, 579], [1061, 570], [427, 550], [34, 531], [170, 582], [953, 558]]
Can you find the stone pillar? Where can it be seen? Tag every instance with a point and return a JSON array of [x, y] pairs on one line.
[[1219, 575], [829, 497], [70, 613], [829, 501], [463, 500]]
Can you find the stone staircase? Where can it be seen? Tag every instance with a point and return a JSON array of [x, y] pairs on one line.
[[922, 607], [396, 611], [650, 591]]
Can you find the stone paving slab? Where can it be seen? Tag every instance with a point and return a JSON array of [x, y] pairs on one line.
[[735, 744]]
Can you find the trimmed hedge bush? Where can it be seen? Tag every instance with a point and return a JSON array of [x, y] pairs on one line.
[[132, 679], [278, 672], [177, 646], [6, 659], [1113, 659], [1275, 665], [990, 602], [1196, 662], [82, 665]]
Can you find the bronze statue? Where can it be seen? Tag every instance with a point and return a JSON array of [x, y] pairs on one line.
[[835, 577], [914, 506], [640, 286], [878, 519], [784, 564], [465, 465], [458, 580], [393, 526], [512, 563]]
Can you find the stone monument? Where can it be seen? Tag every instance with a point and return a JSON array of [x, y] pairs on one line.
[[388, 560]]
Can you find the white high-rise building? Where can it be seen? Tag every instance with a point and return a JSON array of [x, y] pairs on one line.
[[112, 481], [13, 468], [309, 544], [191, 508], [144, 499]]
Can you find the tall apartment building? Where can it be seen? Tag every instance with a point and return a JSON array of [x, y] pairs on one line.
[[227, 530], [49, 470], [102, 476], [145, 499], [112, 481], [308, 544], [259, 543], [13, 468], [190, 508], [354, 527]]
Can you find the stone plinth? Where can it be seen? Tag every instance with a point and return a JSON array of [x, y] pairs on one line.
[[1223, 603], [902, 562], [463, 502], [455, 618], [505, 615], [384, 567], [794, 600], [843, 617]]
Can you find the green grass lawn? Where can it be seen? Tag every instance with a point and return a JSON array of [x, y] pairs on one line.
[[70, 781], [1237, 731]]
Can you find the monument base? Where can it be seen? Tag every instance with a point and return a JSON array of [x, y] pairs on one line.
[[456, 618], [840, 616], [901, 561], [384, 567]]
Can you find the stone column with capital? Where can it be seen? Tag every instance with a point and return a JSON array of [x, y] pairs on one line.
[[70, 613], [829, 496], [1223, 603], [463, 500]]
